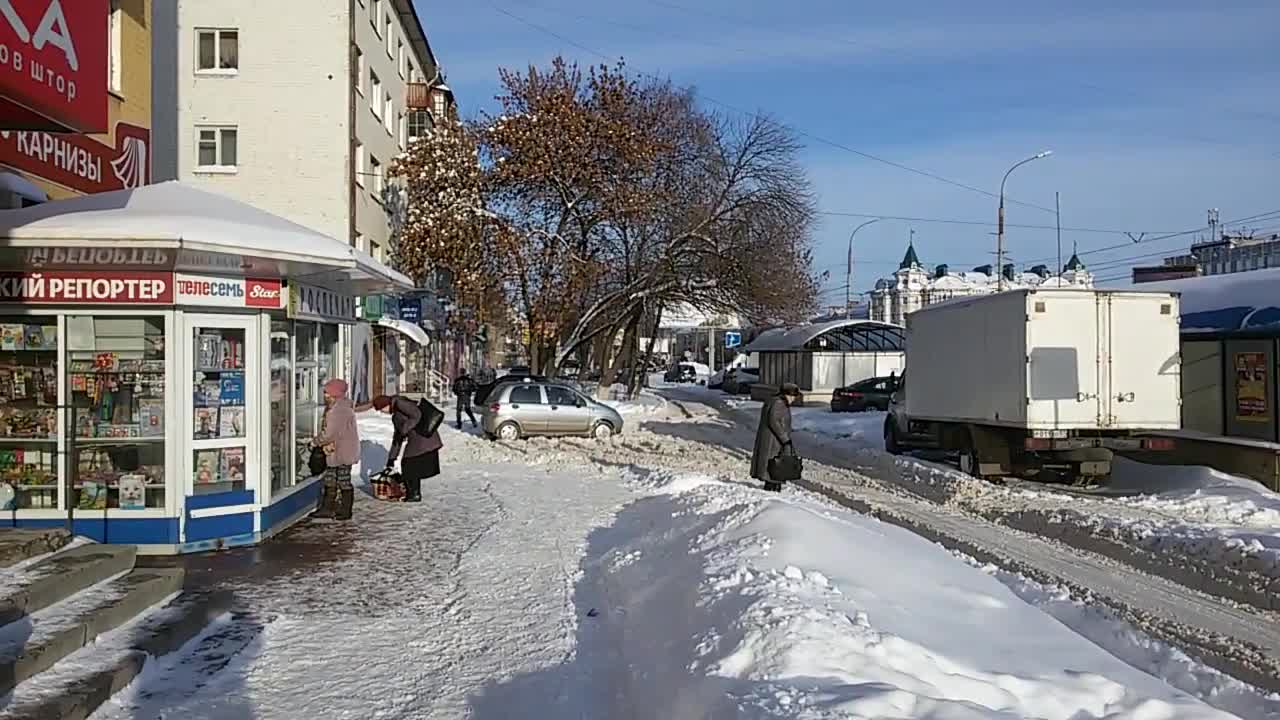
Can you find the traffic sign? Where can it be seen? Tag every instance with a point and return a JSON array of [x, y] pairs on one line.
[[732, 339]]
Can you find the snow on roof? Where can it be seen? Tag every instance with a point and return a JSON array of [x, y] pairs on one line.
[[175, 213], [796, 338], [1224, 303]]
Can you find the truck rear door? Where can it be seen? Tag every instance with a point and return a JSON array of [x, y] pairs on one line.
[[1063, 382], [1142, 361]]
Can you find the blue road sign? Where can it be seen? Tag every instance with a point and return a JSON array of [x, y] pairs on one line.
[[732, 339]]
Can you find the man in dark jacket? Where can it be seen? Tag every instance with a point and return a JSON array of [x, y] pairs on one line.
[[463, 388], [774, 434]]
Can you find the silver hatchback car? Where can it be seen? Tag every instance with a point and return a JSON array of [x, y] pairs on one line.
[[528, 408]]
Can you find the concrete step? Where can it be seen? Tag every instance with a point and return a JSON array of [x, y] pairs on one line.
[[75, 688], [36, 642], [18, 544], [60, 576]]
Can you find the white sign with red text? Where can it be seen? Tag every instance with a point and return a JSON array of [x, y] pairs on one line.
[[228, 292]]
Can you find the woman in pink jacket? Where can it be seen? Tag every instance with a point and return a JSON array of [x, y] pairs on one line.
[[340, 441]]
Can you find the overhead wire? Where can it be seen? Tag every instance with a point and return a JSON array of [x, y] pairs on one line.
[[799, 131]]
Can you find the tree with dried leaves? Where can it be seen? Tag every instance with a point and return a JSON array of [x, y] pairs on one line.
[[594, 200]]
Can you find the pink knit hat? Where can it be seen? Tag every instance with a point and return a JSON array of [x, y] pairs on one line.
[[336, 388]]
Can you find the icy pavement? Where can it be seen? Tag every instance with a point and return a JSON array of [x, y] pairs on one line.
[[645, 579]]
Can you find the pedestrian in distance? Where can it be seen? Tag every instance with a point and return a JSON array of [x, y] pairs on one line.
[[773, 440], [464, 388], [421, 452], [339, 438]]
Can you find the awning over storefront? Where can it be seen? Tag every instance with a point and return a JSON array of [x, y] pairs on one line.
[[172, 226], [22, 187], [408, 329]]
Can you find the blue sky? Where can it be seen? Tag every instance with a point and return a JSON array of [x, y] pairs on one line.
[[1155, 110]]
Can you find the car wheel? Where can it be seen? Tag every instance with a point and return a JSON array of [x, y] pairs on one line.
[[891, 438], [602, 431], [509, 431]]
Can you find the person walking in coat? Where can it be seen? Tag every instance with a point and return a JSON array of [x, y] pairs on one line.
[[774, 434], [421, 453], [464, 388], [340, 440]]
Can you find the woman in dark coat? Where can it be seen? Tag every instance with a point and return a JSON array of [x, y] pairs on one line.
[[421, 453], [774, 434]]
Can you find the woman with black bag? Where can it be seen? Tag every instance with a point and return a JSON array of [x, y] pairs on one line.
[[774, 460], [416, 433]]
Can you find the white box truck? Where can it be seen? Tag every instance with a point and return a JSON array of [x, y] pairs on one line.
[[1046, 382]]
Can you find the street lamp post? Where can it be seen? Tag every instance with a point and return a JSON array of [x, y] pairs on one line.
[[848, 274], [1000, 223]]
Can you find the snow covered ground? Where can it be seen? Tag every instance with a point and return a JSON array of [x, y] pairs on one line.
[[561, 579], [1208, 522]]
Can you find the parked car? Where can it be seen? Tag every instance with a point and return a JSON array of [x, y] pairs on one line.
[[738, 381], [536, 407], [688, 372], [484, 391], [869, 394]]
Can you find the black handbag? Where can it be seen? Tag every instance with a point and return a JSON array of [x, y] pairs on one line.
[[317, 463], [786, 467], [431, 417]]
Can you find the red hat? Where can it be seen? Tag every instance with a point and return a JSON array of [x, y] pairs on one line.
[[336, 388]]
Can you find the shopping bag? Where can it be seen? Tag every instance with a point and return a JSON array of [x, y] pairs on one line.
[[786, 467]]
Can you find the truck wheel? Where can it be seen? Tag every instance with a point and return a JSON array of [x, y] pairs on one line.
[[891, 438], [968, 460]]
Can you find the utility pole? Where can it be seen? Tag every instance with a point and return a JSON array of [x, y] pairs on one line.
[[1057, 216]]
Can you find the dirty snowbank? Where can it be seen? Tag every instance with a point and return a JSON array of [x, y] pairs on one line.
[[738, 604]]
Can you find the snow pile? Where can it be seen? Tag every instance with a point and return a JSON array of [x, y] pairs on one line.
[[801, 610], [865, 429]]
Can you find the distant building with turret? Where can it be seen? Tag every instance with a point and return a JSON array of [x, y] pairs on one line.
[[914, 286]]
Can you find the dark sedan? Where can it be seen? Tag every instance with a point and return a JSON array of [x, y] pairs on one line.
[[869, 394]]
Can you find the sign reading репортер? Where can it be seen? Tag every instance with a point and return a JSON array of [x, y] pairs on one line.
[[71, 287]]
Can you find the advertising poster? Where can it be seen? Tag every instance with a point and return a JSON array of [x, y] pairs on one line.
[[1251, 387]]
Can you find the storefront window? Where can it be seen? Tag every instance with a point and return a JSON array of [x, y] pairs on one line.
[[317, 362], [281, 382], [116, 369], [28, 412], [218, 361]]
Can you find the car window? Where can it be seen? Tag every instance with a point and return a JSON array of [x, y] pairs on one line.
[[526, 395], [561, 396]]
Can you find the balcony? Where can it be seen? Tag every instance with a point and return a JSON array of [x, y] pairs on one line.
[[418, 96]]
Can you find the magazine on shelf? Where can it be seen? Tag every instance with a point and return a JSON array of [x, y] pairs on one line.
[[208, 352], [231, 390], [34, 338], [208, 393], [11, 337], [50, 336], [206, 471], [231, 421], [233, 465], [206, 423], [133, 492], [151, 417], [93, 496]]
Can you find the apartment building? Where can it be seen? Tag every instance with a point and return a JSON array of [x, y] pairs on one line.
[[295, 106], [93, 139]]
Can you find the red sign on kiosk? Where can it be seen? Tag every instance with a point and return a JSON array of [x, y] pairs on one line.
[[53, 65], [87, 287]]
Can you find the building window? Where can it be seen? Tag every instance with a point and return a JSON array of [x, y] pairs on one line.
[[216, 149], [360, 164], [419, 123], [387, 33], [359, 71], [402, 129], [375, 89], [400, 60], [388, 114], [375, 14], [115, 23], [377, 252], [217, 51], [438, 99], [375, 169], [362, 243]]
